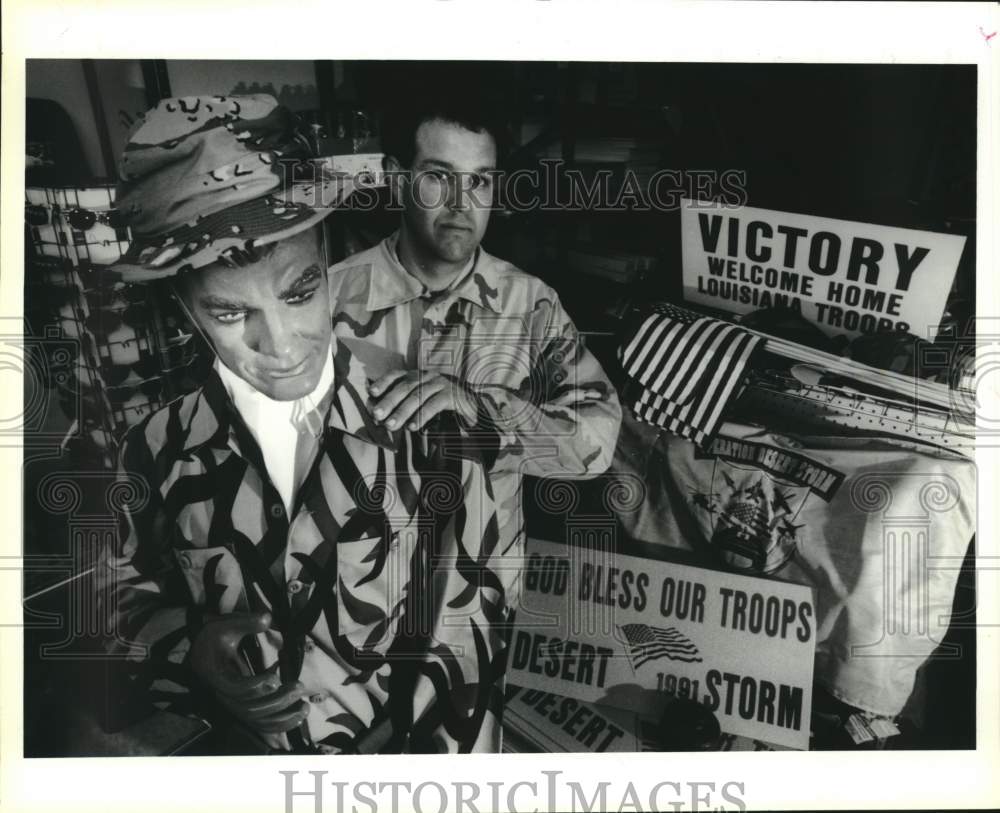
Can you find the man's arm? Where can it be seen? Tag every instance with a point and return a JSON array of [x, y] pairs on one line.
[[563, 420], [559, 418], [177, 653], [151, 619]]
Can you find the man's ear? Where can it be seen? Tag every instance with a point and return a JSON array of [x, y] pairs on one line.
[[396, 178]]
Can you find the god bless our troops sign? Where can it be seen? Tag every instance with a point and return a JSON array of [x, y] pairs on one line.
[[631, 633]]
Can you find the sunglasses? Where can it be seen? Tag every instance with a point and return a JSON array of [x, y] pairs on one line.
[[124, 347], [55, 272], [130, 404], [85, 407], [57, 296], [188, 378], [117, 375], [78, 218], [35, 215], [113, 296], [149, 388], [151, 365], [85, 219], [107, 320], [125, 405], [132, 410]]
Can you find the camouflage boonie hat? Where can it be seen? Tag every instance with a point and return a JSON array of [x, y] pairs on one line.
[[202, 176]]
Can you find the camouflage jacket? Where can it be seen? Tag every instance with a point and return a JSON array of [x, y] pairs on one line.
[[504, 334], [381, 582]]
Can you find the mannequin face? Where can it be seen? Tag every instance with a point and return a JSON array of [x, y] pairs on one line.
[[268, 322]]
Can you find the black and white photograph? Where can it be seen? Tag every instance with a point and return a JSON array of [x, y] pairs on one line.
[[540, 410]]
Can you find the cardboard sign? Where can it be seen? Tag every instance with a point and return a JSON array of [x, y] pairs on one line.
[[631, 633], [845, 277], [552, 724], [555, 724]]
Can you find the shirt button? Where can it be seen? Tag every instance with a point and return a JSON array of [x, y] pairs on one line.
[[277, 510], [317, 698], [308, 645], [327, 749], [295, 586]]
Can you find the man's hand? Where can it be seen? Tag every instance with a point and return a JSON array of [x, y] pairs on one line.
[[259, 701], [411, 398]]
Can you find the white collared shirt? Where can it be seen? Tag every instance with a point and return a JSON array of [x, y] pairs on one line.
[[286, 431]]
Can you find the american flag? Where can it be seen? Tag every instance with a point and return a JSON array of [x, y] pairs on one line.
[[685, 369], [646, 643]]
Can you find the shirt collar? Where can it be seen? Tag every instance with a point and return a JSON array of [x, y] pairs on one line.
[[217, 419], [390, 284], [258, 411]]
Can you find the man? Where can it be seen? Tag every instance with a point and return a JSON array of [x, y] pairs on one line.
[[289, 567], [470, 334]]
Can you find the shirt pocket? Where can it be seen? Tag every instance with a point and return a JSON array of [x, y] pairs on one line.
[[500, 352], [373, 577], [214, 579]]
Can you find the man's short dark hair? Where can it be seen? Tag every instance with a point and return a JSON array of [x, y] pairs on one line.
[[468, 109]]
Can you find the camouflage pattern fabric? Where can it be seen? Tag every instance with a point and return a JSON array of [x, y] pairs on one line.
[[505, 335], [382, 582], [203, 177]]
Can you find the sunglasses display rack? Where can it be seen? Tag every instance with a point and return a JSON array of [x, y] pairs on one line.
[[76, 224], [134, 348]]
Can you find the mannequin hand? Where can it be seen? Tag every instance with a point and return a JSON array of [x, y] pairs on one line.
[[261, 701]]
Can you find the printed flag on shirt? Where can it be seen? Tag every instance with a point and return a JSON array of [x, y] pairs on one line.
[[646, 643], [684, 370]]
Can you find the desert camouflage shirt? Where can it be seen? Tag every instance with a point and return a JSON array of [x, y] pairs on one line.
[[382, 580], [504, 334]]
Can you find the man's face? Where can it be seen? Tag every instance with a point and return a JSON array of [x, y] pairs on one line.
[[268, 322], [447, 201]]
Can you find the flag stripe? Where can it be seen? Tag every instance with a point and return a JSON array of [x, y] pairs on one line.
[[651, 333], [645, 340], [661, 339], [685, 369], [664, 363], [703, 335], [734, 384]]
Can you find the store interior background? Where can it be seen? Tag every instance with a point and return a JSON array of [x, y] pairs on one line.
[[888, 144]]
